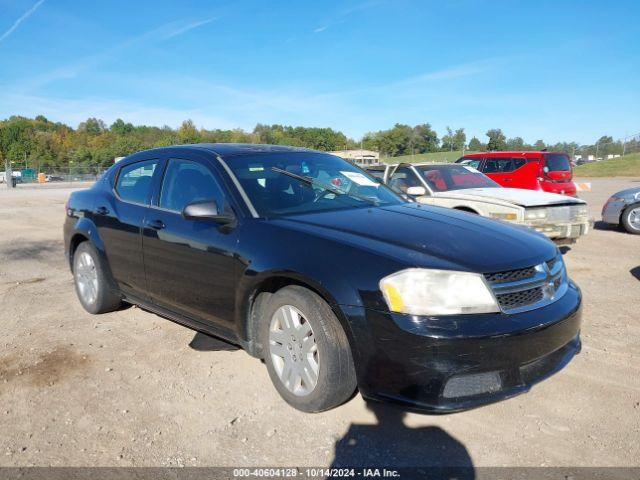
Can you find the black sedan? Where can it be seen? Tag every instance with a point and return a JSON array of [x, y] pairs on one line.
[[309, 263]]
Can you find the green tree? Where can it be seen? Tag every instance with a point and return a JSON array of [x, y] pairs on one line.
[[515, 143], [119, 127], [188, 133], [92, 126], [476, 145], [539, 145], [497, 140]]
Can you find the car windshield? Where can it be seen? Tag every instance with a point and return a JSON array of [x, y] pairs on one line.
[[306, 182], [442, 178], [557, 162]]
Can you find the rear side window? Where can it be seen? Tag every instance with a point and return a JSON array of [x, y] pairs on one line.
[[134, 181], [187, 182], [503, 165], [556, 163]]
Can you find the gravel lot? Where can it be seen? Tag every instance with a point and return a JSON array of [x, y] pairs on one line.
[[127, 389]]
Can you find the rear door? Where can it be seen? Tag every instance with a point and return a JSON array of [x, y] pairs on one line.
[[119, 216], [501, 169], [190, 264]]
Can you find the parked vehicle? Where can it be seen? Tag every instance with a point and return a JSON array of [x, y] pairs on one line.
[[54, 178], [546, 171], [561, 218], [307, 262], [623, 208]]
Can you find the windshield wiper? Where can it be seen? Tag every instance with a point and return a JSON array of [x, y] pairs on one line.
[[313, 183]]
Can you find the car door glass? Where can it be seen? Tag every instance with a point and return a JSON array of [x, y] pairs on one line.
[[498, 165], [517, 163], [475, 163], [134, 181], [187, 182], [402, 179]]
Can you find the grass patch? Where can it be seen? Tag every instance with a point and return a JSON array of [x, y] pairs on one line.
[[446, 157], [627, 166]]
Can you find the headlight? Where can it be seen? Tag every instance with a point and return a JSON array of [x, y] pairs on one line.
[[418, 291], [504, 216], [535, 214]]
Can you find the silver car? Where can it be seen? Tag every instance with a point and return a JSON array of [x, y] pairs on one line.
[[623, 208]]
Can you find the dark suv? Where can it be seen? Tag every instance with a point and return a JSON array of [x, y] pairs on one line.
[[309, 263]]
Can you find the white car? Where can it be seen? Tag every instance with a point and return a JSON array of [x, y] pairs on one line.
[[561, 218]]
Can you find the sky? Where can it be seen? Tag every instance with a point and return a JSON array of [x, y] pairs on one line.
[[556, 70]]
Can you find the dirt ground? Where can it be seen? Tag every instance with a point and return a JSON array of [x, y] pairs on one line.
[[127, 389]]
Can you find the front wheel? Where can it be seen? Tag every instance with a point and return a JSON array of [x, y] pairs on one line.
[[306, 351], [94, 287], [631, 219]]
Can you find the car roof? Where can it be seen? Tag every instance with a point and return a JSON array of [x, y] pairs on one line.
[[231, 149], [511, 153]]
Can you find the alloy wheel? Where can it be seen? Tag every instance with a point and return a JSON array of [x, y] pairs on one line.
[[293, 350], [634, 218], [86, 277]]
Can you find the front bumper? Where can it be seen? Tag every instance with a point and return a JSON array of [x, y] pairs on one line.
[[612, 211], [563, 231], [448, 364]]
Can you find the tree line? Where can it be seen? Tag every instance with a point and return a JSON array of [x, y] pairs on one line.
[[48, 146]]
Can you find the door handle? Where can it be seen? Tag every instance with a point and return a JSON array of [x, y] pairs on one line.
[[156, 224], [102, 211]]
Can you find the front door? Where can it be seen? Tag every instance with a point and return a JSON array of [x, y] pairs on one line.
[[190, 264]]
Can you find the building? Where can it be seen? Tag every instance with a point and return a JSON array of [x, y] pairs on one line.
[[359, 157]]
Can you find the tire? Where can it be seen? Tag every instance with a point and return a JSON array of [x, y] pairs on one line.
[[336, 377], [94, 286], [630, 219]]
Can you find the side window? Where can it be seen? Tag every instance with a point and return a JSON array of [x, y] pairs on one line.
[[186, 182], [498, 165], [402, 179], [134, 181], [518, 162], [472, 162], [379, 174]]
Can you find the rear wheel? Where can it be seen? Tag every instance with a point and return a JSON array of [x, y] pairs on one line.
[[306, 351], [631, 219], [94, 287]]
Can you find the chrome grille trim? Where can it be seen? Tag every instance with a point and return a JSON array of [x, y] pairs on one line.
[[547, 284]]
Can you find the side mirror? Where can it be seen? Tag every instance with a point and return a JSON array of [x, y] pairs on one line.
[[207, 210], [416, 191]]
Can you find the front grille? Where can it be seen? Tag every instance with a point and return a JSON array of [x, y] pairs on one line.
[[511, 275], [529, 288], [510, 301]]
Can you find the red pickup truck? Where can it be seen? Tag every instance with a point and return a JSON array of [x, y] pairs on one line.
[[547, 171]]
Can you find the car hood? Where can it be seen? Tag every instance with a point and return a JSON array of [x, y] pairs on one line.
[[427, 236], [518, 196]]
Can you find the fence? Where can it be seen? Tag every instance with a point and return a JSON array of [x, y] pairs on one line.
[[69, 176]]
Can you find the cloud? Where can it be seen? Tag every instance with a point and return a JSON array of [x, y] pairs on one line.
[[17, 23], [72, 70], [320, 29], [188, 27]]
